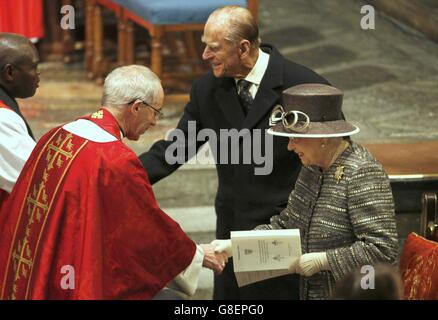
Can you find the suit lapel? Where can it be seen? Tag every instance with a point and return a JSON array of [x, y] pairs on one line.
[[265, 99], [226, 98], [263, 103], [266, 96]]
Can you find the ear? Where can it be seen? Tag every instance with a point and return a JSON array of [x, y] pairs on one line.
[[8, 72], [134, 108], [244, 48]]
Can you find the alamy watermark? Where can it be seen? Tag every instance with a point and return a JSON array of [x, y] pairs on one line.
[[68, 18], [368, 280], [235, 147], [368, 21], [68, 280]]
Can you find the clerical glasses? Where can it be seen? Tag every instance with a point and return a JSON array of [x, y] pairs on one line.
[[158, 113]]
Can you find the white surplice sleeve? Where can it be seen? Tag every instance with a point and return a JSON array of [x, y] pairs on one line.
[[187, 280], [15, 147]]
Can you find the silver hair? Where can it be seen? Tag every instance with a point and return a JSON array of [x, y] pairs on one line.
[[239, 23], [126, 84]]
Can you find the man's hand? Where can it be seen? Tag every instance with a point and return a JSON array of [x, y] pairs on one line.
[[223, 246], [213, 260], [311, 263]]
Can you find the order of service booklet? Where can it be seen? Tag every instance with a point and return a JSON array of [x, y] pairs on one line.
[[263, 254]]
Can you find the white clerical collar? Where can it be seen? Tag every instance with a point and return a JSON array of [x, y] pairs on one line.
[[256, 74]]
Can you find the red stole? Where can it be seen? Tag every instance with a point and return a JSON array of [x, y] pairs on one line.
[[52, 162], [89, 206]]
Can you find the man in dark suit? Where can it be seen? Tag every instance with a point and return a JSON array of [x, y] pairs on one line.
[[221, 100]]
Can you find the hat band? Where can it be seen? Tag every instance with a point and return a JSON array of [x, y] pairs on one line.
[[293, 120]]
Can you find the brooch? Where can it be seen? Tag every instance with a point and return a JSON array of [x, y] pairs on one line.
[[339, 173], [97, 115]]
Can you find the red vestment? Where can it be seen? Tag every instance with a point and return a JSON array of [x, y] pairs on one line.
[[418, 268], [24, 17], [3, 197], [87, 205]]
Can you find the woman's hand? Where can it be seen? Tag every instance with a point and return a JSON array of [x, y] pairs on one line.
[[223, 246], [311, 263]]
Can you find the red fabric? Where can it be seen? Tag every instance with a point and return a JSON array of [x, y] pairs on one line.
[[24, 17], [3, 105], [3, 197], [102, 218], [419, 268]]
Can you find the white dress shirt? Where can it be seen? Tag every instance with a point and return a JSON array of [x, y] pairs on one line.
[[15, 147], [256, 74]]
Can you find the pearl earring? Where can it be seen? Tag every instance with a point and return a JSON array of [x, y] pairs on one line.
[[323, 145]]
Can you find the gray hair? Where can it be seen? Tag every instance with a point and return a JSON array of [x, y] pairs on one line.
[[239, 22], [126, 84]]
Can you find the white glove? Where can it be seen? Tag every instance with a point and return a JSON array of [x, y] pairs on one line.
[[294, 265], [222, 245], [311, 263]]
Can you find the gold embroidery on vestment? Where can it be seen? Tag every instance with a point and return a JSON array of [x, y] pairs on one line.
[[97, 115]]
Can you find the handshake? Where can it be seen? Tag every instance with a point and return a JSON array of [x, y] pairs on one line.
[[216, 255], [307, 265], [213, 259]]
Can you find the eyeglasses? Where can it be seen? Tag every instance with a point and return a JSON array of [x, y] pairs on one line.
[[158, 113]]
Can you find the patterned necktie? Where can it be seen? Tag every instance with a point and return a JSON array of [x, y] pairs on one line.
[[244, 95]]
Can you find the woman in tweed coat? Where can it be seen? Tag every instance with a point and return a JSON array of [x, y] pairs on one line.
[[342, 201]]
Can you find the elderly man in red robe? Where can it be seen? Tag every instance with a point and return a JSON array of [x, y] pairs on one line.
[[82, 221]]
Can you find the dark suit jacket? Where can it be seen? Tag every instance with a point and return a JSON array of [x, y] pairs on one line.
[[244, 200]]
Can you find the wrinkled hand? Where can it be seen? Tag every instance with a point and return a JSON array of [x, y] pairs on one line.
[[223, 246], [311, 263], [213, 260]]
